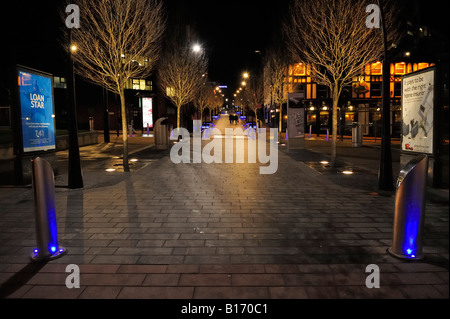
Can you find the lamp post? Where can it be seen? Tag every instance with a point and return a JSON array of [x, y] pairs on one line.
[[385, 176], [74, 170]]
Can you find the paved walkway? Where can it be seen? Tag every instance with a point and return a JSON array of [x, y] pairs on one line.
[[208, 231]]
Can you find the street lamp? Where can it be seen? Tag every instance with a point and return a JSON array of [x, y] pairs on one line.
[[196, 48], [245, 75], [385, 174], [75, 177]]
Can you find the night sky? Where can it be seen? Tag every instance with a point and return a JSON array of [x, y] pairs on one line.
[[230, 30]]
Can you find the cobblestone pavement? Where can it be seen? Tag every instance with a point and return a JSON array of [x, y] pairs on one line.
[[207, 231]]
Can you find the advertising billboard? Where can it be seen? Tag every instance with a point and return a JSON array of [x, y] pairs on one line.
[[295, 121], [36, 110], [418, 111], [147, 112], [295, 116]]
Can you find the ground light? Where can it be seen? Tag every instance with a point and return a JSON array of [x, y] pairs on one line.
[[110, 170], [346, 172]]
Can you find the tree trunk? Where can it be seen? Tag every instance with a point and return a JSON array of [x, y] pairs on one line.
[[178, 115], [281, 120], [335, 93], [280, 124], [256, 120], [126, 166]]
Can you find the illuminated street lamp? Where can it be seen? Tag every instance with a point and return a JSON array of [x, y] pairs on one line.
[[196, 48], [75, 176], [245, 75]]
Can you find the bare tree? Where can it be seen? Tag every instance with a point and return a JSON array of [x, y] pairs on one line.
[[204, 98], [118, 40], [215, 102], [331, 36], [181, 74], [254, 93], [275, 70]]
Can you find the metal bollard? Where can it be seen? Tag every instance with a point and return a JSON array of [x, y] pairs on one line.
[[45, 212], [410, 210]]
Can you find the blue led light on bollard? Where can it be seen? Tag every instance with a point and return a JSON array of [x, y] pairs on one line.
[[410, 210], [45, 212]]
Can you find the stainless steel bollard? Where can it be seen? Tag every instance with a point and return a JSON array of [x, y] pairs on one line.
[[45, 212], [410, 210]]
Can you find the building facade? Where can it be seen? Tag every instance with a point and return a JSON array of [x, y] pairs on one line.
[[359, 103]]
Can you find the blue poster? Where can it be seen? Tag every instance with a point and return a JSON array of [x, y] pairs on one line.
[[36, 106]]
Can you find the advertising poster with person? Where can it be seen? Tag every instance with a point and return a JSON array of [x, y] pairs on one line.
[[418, 111]]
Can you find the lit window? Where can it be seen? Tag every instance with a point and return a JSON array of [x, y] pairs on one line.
[[376, 68], [299, 69], [400, 68]]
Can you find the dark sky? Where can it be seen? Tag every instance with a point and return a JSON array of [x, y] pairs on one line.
[[231, 31]]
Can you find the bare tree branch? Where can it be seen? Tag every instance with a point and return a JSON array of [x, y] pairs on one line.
[[204, 98], [331, 37], [275, 70], [118, 40], [181, 75]]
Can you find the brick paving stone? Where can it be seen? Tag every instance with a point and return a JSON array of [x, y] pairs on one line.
[[100, 292], [198, 280], [51, 292], [182, 231], [162, 280], [156, 293], [288, 293]]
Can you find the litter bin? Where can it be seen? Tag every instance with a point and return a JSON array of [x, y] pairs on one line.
[[410, 210], [356, 135], [161, 134], [91, 123]]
